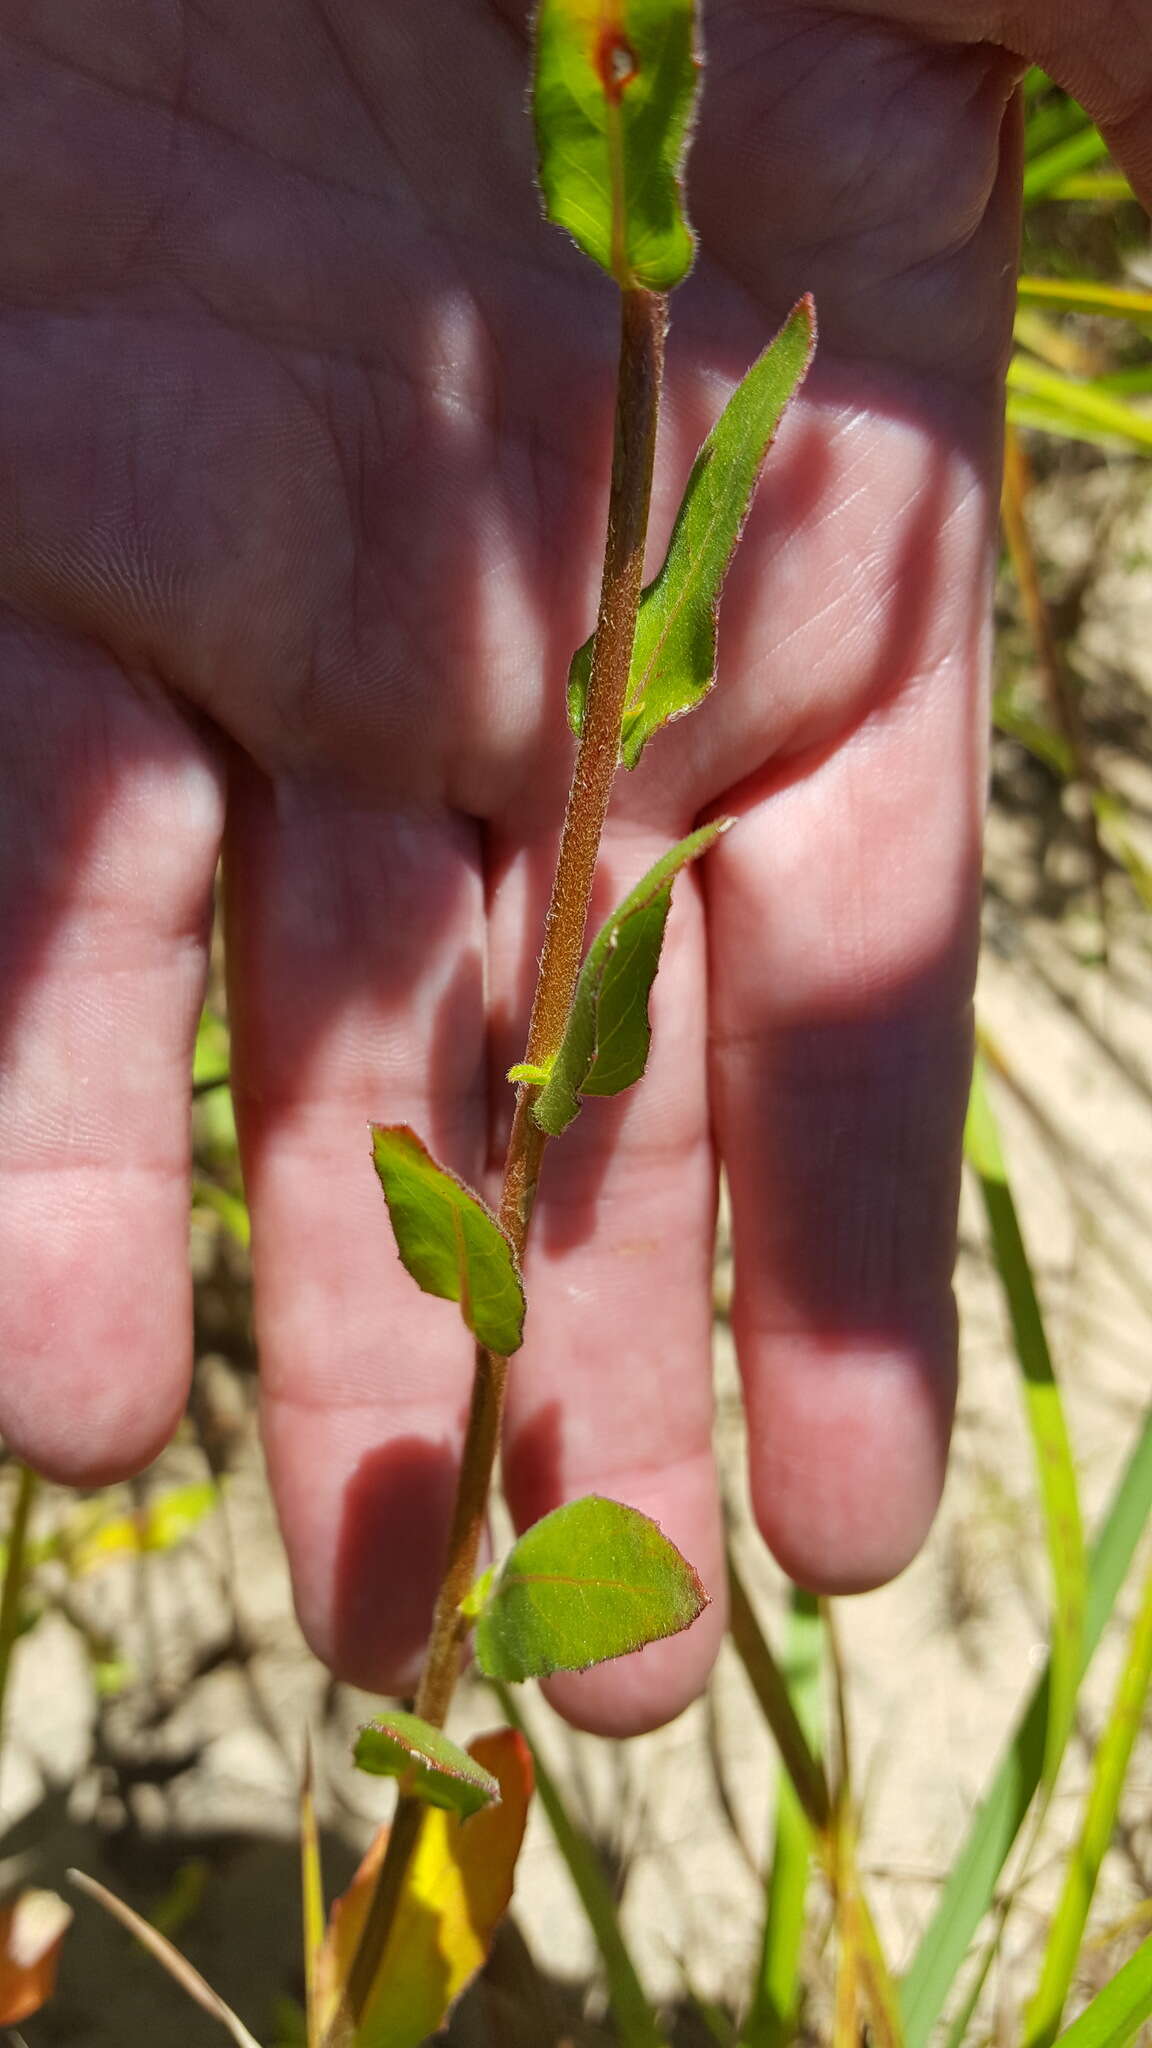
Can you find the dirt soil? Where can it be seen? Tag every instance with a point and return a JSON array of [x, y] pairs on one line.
[[178, 1785]]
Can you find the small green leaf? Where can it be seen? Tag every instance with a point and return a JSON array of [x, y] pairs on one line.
[[525, 1071], [674, 656], [1047, 1423], [428, 1765], [605, 1046], [450, 1242], [591, 1581], [613, 100], [476, 1598]]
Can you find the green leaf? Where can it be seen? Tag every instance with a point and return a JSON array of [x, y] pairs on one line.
[[593, 1580], [605, 1045], [1109, 1770], [774, 2014], [1052, 166], [428, 1765], [1063, 1528], [635, 2021], [1077, 407], [613, 99], [1118, 2012], [450, 1242], [674, 655], [476, 1598], [1099, 188], [1085, 295], [774, 1699], [456, 1890], [972, 1880]]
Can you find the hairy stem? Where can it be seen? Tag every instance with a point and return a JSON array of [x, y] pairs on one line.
[[642, 325]]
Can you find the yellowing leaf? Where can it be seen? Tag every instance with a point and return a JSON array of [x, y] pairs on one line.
[[458, 1889], [165, 1522], [613, 99], [32, 1928]]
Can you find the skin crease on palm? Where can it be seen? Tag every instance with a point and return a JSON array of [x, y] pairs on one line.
[[304, 425]]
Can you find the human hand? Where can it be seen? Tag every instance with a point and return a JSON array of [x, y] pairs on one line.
[[304, 421]]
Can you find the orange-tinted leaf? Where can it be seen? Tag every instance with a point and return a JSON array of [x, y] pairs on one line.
[[458, 1890], [32, 1928]]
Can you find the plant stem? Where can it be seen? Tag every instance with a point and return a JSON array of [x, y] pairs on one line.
[[643, 319], [14, 1580]]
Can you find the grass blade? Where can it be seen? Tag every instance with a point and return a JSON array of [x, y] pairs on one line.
[[1098, 188], [15, 1560], [1050, 167], [804, 1768], [1082, 405], [311, 1895], [1085, 295], [170, 1959], [1117, 2011], [1064, 1531], [829, 1819], [971, 1885], [774, 2011], [1113, 1753], [1045, 417], [636, 2023]]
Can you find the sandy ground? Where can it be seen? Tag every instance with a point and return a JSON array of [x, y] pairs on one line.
[[180, 1789]]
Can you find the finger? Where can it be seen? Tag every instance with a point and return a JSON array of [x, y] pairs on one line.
[[843, 915], [355, 943], [112, 814], [612, 1391], [1101, 54]]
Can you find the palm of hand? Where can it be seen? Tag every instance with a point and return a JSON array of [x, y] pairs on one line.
[[305, 423]]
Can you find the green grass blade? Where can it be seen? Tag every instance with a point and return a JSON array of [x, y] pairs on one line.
[[797, 1755], [1045, 418], [962, 2020], [1117, 2012], [1135, 381], [1081, 405], [1050, 167], [1052, 117], [636, 2023], [1098, 188], [231, 1209], [971, 1884], [774, 2011], [833, 1825], [15, 1566], [1113, 1753], [313, 1913], [1041, 741], [1084, 295], [1064, 1532]]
